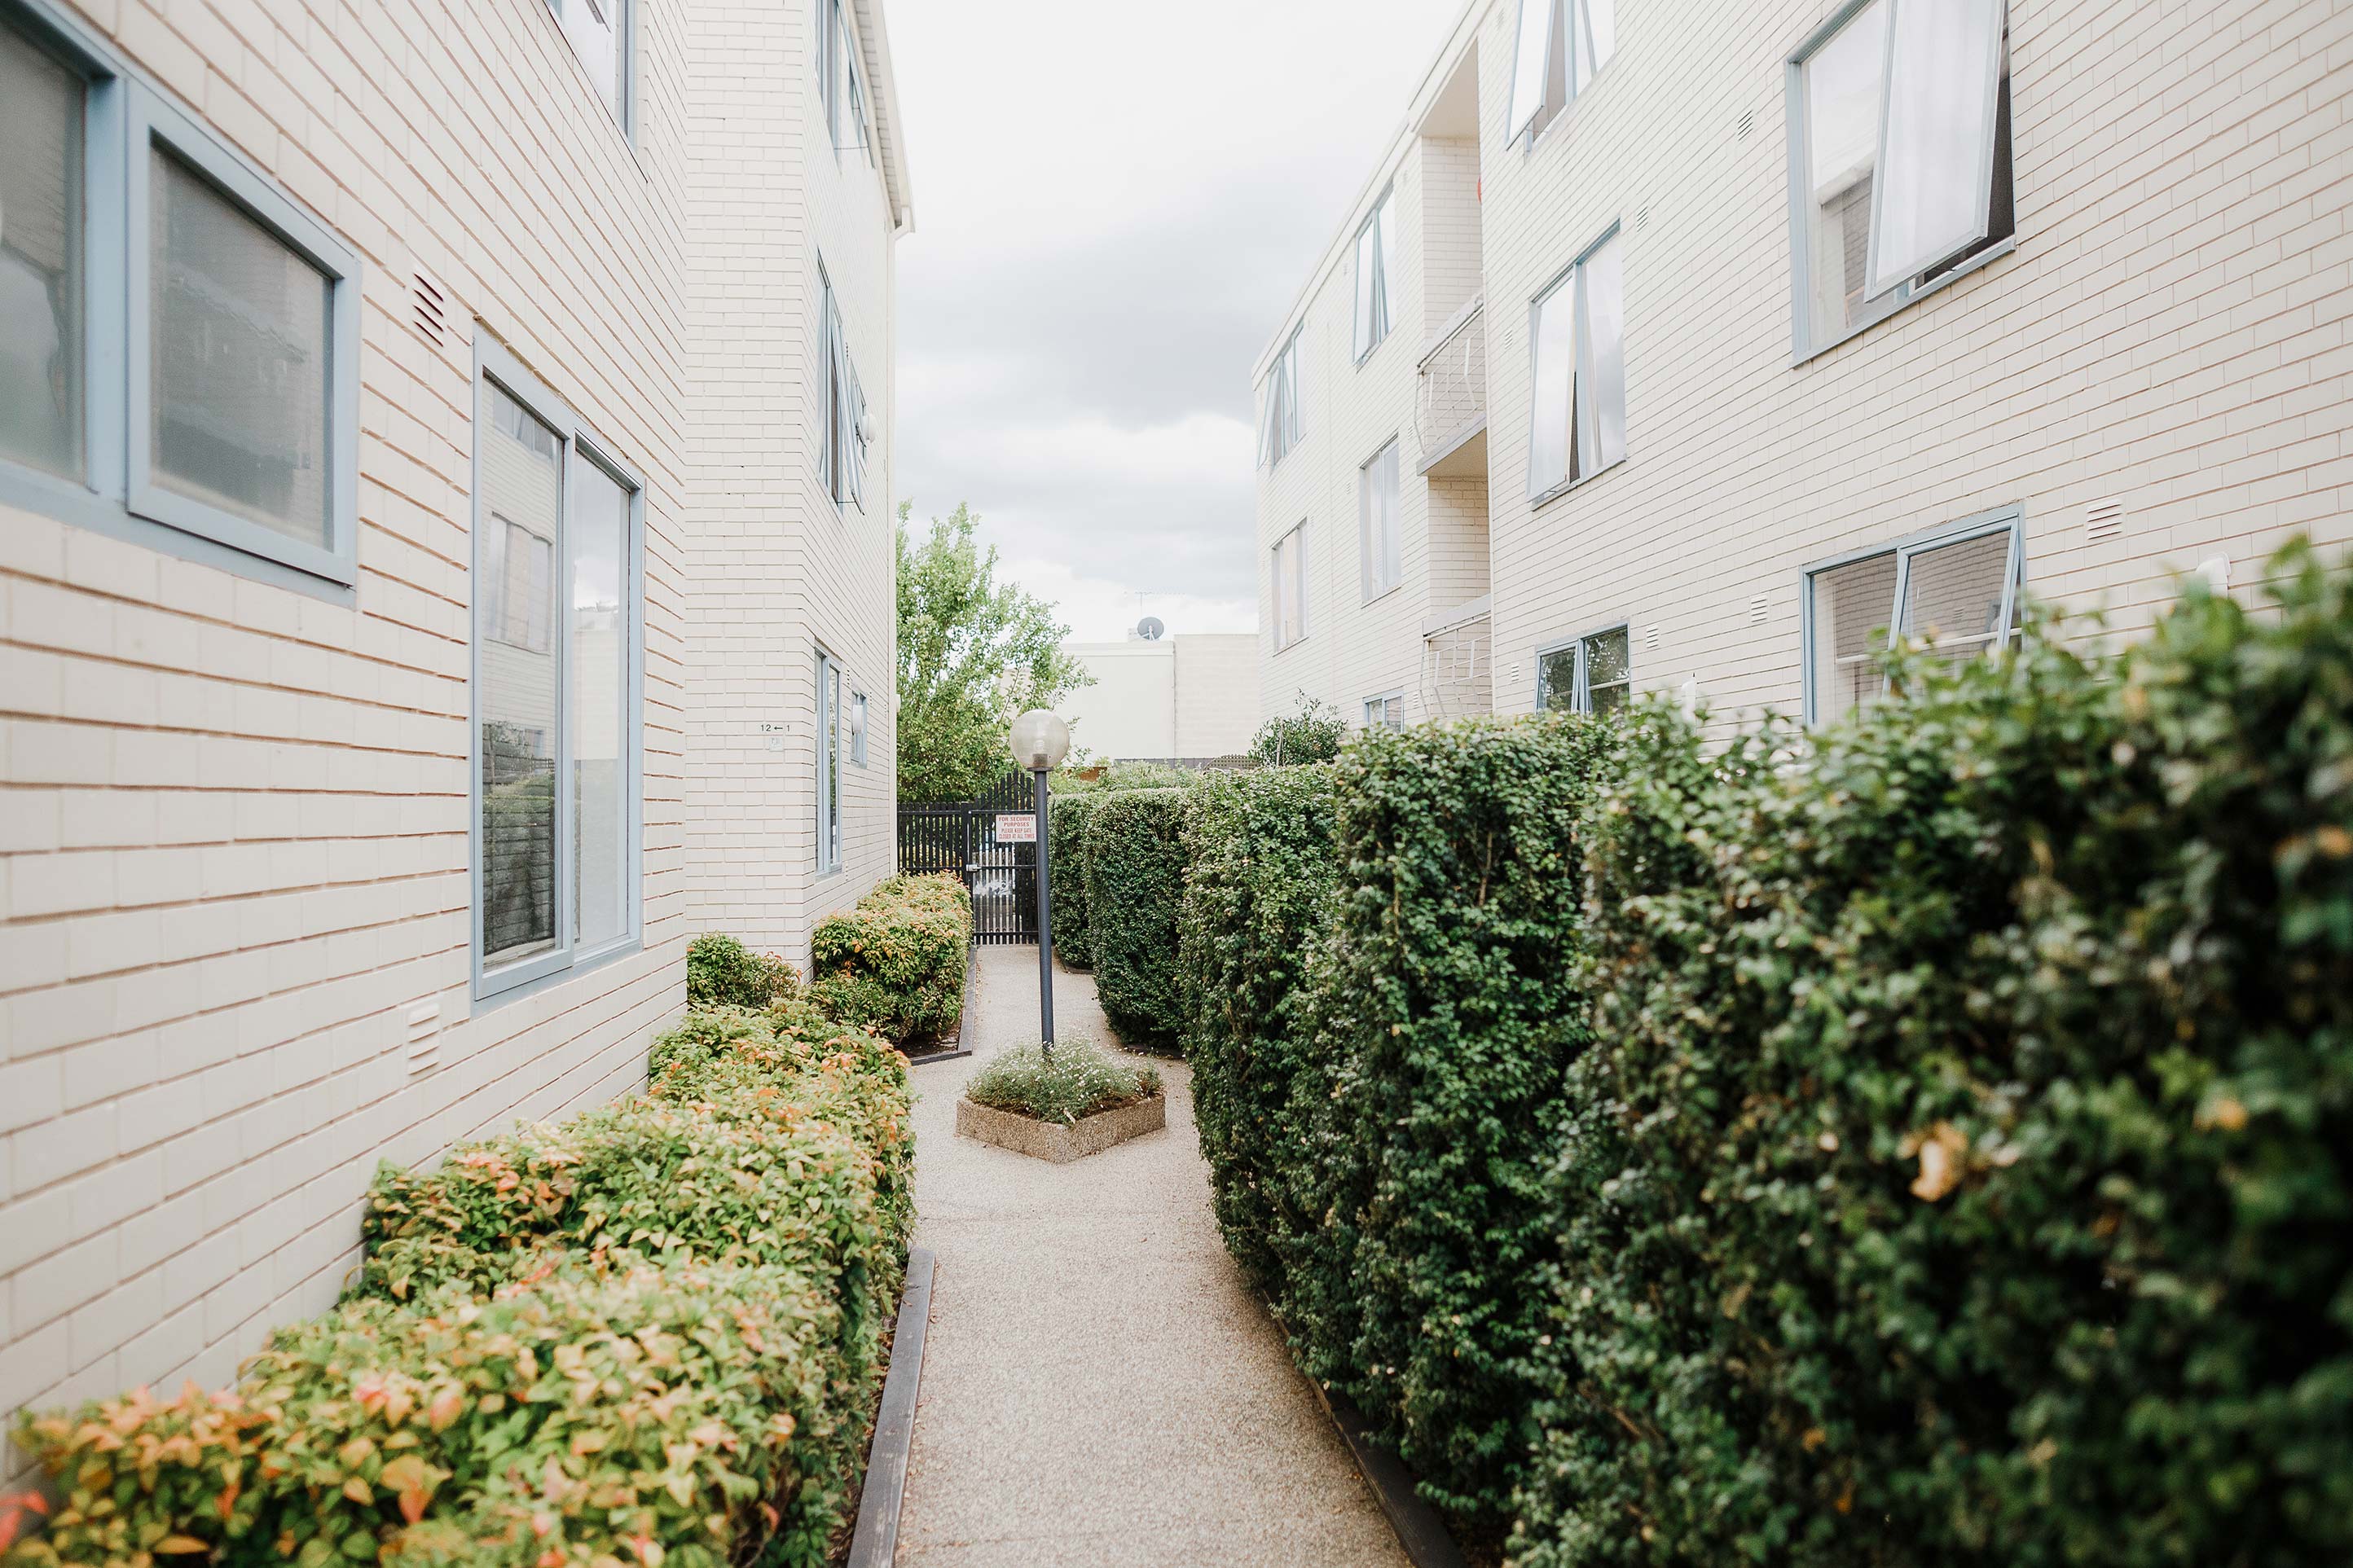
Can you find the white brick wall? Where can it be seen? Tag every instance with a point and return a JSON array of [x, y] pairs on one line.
[[2169, 334], [233, 818]]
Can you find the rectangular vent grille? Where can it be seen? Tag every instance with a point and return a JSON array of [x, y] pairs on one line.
[[2104, 519], [1760, 609], [1651, 638], [424, 1038], [1746, 125], [432, 313]]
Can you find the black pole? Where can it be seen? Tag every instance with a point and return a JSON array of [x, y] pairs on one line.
[[1045, 921]]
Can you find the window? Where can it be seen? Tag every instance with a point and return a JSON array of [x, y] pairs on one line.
[[1579, 333], [1384, 712], [1900, 172], [556, 682], [1561, 44], [1592, 675], [841, 94], [1278, 419], [845, 434], [600, 34], [857, 727], [829, 764], [179, 342], [1290, 587], [1377, 523], [1377, 248], [1956, 588]]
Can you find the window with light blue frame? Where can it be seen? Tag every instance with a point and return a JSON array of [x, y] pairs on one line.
[[1279, 423], [829, 764], [1954, 588], [1899, 159], [1592, 674], [603, 35], [1376, 276], [179, 338], [558, 680], [1559, 46], [1577, 406]]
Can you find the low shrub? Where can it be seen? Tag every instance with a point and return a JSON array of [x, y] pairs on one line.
[[895, 964], [649, 1335], [1314, 734], [1261, 869], [721, 972], [1066, 839], [1960, 1173], [1079, 1079], [1135, 879]]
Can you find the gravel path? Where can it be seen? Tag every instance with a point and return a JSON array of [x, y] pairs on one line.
[[1099, 1390]]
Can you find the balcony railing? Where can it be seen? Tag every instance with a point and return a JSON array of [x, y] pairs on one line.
[[1450, 402], [1457, 661]]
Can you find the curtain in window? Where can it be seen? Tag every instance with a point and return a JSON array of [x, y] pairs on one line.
[[1934, 198], [1579, 410], [1376, 521], [41, 110]]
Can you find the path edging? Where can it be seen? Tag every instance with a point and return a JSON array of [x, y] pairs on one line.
[[1426, 1542], [874, 1543]]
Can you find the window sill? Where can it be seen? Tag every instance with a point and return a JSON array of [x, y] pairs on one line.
[[1369, 600], [1537, 503], [492, 993], [1282, 649], [1944, 280]]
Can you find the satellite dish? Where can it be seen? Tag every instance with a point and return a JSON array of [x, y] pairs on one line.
[[1150, 629]]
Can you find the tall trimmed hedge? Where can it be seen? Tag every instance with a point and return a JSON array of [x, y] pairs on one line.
[[1135, 879], [895, 964], [648, 1335], [1260, 871], [1961, 1174], [1066, 845]]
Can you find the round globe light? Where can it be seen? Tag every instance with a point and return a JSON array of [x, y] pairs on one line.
[[1040, 740]]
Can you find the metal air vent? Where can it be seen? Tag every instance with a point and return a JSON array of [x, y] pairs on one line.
[[432, 311], [2104, 521]]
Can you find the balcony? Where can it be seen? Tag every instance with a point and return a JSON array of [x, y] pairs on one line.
[[1451, 401], [1457, 661]]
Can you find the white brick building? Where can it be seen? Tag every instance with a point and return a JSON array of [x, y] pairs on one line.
[[1191, 697], [445, 563], [1860, 313]]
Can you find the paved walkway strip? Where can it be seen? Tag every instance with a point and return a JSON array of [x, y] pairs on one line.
[[1099, 1390]]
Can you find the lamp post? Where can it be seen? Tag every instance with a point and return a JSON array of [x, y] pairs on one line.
[[1040, 741]]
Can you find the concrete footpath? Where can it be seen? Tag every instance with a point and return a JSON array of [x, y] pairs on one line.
[[1099, 1390]]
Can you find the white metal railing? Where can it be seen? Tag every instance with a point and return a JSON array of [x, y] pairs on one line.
[[1451, 401], [1457, 665]]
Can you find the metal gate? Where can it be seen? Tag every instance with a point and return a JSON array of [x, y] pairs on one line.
[[961, 837]]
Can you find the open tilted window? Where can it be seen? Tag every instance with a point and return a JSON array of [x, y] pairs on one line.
[[1561, 43], [1580, 405], [1279, 423], [1377, 262], [1900, 166]]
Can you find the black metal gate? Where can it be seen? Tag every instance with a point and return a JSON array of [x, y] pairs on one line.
[[961, 837]]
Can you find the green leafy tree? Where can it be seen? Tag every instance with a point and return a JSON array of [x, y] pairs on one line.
[[972, 652]]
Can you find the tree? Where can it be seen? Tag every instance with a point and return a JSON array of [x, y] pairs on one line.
[[972, 652], [1314, 734]]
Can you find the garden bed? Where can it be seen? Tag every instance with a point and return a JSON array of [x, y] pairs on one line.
[[1079, 1101]]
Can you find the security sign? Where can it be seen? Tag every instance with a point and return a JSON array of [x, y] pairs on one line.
[[1022, 829]]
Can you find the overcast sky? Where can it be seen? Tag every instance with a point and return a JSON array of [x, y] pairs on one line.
[[1114, 205]]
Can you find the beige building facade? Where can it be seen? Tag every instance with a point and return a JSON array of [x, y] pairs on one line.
[[1190, 698], [1709, 350], [445, 563]]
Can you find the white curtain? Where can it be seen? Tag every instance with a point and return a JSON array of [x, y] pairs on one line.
[[1934, 193], [1555, 349]]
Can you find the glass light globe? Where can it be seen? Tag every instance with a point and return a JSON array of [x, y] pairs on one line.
[[1040, 740]]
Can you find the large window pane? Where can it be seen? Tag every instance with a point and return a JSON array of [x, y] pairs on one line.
[[1943, 72], [1853, 606], [41, 259], [829, 764], [1842, 101], [594, 28], [239, 335], [1528, 66], [1367, 251], [522, 485], [1608, 671], [596, 538], [1376, 518], [1557, 680], [1602, 364], [1556, 352]]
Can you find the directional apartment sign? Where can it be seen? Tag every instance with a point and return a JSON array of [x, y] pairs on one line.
[[1022, 829]]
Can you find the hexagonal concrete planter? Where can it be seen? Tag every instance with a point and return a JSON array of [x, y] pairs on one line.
[[1052, 1140]]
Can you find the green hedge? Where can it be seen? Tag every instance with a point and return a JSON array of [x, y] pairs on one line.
[[1134, 878], [1259, 872], [1066, 845], [650, 1334], [721, 972], [895, 964], [1962, 1176]]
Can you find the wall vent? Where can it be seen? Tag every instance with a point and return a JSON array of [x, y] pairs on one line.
[[424, 1037], [1759, 609], [1746, 126], [432, 313], [1651, 638], [2104, 519], [1642, 216]]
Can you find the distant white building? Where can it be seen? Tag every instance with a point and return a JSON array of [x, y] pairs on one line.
[[1174, 698]]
